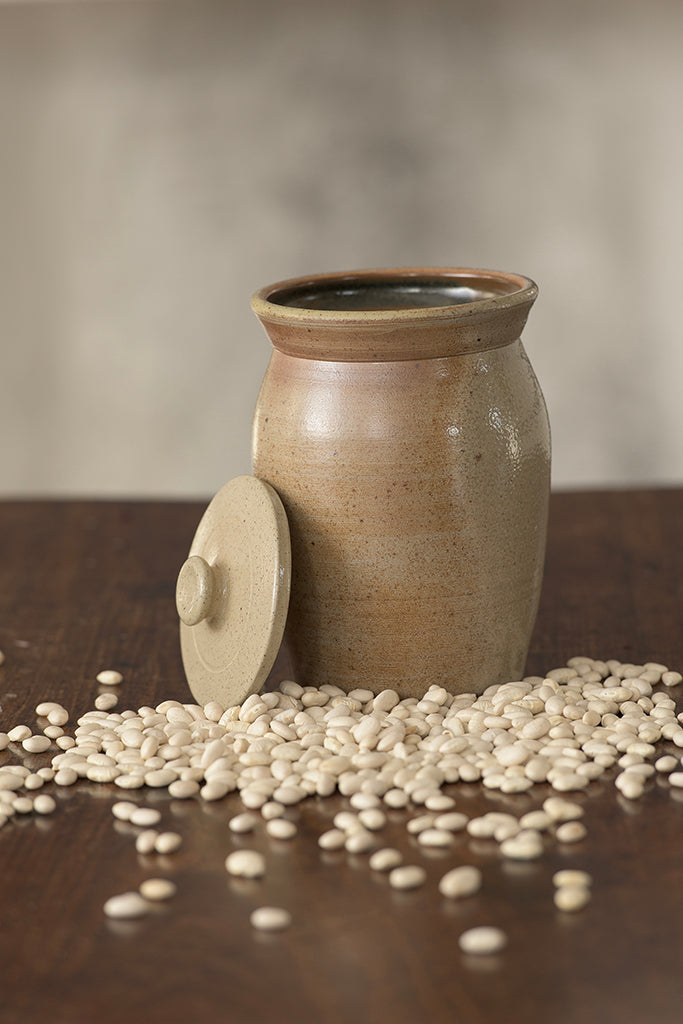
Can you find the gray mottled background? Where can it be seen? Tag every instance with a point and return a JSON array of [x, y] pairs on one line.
[[162, 160]]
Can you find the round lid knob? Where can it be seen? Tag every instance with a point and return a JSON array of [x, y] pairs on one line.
[[232, 593], [194, 591]]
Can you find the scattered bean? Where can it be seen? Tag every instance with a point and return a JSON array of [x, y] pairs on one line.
[[359, 841], [109, 677], [168, 842], [281, 828], [146, 841], [526, 845], [571, 832], [144, 816], [270, 919], [571, 876], [437, 837], [66, 777], [127, 904], [385, 859], [246, 864], [572, 897], [106, 701], [245, 822], [183, 789], [460, 881], [452, 821], [333, 839], [123, 809], [272, 809], [44, 804], [156, 889], [482, 940], [408, 876], [19, 733], [559, 809]]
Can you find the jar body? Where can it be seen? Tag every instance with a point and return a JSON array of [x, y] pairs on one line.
[[417, 493]]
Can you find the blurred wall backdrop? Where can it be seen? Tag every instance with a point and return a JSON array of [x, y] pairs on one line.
[[160, 160]]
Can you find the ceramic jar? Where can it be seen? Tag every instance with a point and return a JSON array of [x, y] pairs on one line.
[[403, 427]]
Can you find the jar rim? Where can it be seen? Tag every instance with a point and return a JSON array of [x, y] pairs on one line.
[[473, 292]]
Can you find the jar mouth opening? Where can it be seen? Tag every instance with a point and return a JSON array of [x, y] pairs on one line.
[[379, 295]]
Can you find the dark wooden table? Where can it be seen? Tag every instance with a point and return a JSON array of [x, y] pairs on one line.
[[86, 585]]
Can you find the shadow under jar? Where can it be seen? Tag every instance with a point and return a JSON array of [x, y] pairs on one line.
[[403, 427]]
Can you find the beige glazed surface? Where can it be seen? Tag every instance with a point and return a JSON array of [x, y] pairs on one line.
[[404, 430]]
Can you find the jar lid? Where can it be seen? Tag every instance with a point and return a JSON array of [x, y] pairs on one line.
[[232, 593]]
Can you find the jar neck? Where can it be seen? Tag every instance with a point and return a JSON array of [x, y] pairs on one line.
[[394, 315]]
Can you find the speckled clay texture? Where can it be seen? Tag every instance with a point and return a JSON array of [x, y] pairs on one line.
[[411, 451], [233, 591]]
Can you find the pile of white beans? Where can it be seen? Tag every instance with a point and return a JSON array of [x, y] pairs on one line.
[[565, 729]]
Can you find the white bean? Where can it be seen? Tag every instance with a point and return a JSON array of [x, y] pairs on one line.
[[57, 715], [36, 744], [123, 809], [538, 820], [571, 876], [19, 733], [145, 816], [483, 940], [146, 841], [572, 897], [439, 802], [245, 822], [526, 845], [44, 804], [571, 832], [106, 701], [109, 677], [128, 781], [385, 859], [126, 904], [359, 841], [559, 809], [461, 881], [23, 804], [272, 809], [435, 837], [372, 818], [160, 778], [419, 824], [156, 889], [281, 828], [270, 919], [408, 876], [333, 839], [168, 842], [246, 864], [183, 789], [452, 821]]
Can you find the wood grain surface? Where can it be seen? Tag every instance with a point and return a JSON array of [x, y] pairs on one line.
[[89, 585]]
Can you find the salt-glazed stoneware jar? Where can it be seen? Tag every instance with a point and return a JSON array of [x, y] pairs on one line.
[[403, 428]]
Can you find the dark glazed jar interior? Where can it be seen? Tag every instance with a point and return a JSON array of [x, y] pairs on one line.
[[417, 293], [390, 290]]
